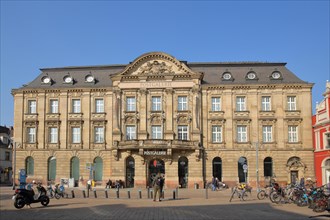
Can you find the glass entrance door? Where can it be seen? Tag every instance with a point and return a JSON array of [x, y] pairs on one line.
[[155, 165]]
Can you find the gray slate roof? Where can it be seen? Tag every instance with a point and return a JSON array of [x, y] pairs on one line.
[[212, 74]]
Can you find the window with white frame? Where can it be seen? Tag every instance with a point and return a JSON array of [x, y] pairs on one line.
[[293, 134], [99, 134], [327, 141], [240, 103], [53, 135], [266, 103], [182, 132], [32, 106], [216, 104], [216, 134], [31, 135], [53, 106], [130, 104], [241, 133], [99, 105], [156, 132], [292, 105], [267, 132], [130, 132], [76, 135], [182, 103], [76, 108], [156, 103]]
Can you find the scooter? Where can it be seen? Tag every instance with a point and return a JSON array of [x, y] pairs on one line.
[[24, 197]]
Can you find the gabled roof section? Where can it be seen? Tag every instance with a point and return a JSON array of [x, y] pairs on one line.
[[156, 65]]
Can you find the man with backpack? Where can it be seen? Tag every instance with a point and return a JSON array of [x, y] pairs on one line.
[[158, 184]]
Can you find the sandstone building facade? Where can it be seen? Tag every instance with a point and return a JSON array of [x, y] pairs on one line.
[[240, 122]]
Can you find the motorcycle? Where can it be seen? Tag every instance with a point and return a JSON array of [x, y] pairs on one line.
[[60, 191], [24, 197]]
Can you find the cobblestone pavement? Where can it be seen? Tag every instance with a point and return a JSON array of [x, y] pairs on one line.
[[189, 204]]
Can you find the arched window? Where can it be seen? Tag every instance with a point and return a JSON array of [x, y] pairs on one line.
[[74, 171], [130, 171], [242, 173], [98, 169], [268, 166], [51, 168], [29, 166], [217, 168], [183, 172]]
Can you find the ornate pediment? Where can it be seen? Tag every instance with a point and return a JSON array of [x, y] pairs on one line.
[[156, 65], [155, 68]]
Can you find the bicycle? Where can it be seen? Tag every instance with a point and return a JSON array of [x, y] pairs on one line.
[[243, 193]]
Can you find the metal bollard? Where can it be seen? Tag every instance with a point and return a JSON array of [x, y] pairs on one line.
[[148, 192], [106, 193], [95, 193], [140, 194], [206, 194], [72, 193], [151, 194], [163, 194], [128, 194], [84, 193], [173, 194], [117, 193], [177, 192]]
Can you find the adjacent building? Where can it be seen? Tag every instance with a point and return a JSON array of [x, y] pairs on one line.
[[238, 121], [6, 151], [321, 138]]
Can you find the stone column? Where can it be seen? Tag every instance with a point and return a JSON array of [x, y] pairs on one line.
[[169, 133]]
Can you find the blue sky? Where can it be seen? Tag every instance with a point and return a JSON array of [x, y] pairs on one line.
[[39, 34]]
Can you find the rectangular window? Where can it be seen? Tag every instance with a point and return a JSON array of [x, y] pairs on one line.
[[76, 135], [182, 132], [31, 132], [7, 156], [240, 103], [216, 134], [327, 141], [32, 105], [99, 105], [156, 132], [182, 103], [241, 133], [99, 134], [265, 103], [293, 134], [156, 103], [76, 106], [53, 106], [53, 135], [216, 104], [267, 134], [130, 104], [292, 103], [130, 132]]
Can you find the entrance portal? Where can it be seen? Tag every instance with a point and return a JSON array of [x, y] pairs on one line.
[[155, 166]]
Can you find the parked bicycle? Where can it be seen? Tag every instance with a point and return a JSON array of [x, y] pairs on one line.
[[242, 191]]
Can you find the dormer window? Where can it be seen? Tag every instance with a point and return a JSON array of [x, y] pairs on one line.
[[251, 75], [46, 80], [226, 76], [68, 79], [89, 79], [276, 75]]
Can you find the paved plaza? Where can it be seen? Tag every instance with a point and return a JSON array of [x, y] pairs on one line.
[[188, 204]]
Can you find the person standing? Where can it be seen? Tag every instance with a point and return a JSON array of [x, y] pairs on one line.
[[157, 186]]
